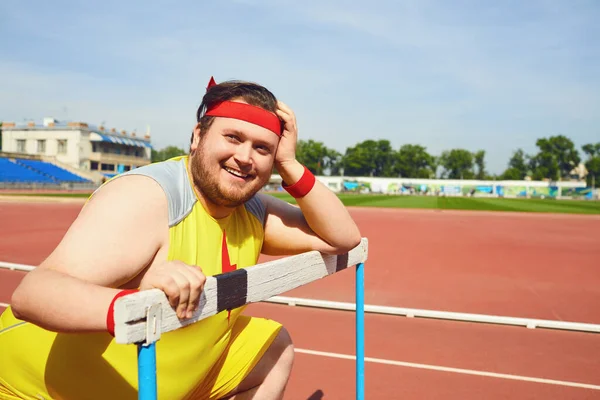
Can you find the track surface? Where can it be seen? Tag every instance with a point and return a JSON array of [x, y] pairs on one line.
[[521, 265]]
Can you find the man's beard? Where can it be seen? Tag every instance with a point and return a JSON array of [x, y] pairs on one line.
[[211, 188]]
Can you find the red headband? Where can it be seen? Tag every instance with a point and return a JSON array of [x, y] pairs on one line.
[[245, 112]]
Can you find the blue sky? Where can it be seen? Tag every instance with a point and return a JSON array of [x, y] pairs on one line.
[[491, 75]]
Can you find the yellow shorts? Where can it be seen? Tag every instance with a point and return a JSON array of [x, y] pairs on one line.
[[38, 364], [241, 356]]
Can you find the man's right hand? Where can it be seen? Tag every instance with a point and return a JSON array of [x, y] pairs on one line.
[[181, 283]]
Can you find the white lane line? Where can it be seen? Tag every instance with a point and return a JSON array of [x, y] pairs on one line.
[[440, 368], [454, 370]]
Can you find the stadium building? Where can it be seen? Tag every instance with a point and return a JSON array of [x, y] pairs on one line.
[[72, 152]]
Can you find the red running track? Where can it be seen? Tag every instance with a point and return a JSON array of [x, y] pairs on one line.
[[516, 264], [425, 274]]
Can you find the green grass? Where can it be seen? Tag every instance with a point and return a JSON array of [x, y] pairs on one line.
[[432, 202], [465, 203]]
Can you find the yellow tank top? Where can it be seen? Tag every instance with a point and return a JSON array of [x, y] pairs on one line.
[[33, 360]]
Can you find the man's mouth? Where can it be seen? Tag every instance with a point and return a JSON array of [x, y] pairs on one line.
[[236, 172]]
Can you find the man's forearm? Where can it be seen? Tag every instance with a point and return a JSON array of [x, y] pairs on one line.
[[323, 211], [61, 303]]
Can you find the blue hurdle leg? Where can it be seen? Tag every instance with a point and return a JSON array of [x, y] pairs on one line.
[[360, 331], [147, 371]]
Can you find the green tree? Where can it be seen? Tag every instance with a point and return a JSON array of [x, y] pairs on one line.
[[334, 162], [479, 159], [556, 158], [457, 164], [518, 166], [358, 161], [435, 164], [316, 156], [413, 161], [592, 150], [544, 166], [592, 164], [166, 153], [369, 158], [384, 159], [512, 174]]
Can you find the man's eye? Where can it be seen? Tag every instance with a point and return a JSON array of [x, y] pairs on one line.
[[264, 150], [233, 138]]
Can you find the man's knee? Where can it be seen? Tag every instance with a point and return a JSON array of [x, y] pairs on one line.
[[281, 351], [275, 364], [285, 345]]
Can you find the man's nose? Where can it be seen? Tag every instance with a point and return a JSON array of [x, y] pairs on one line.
[[244, 153]]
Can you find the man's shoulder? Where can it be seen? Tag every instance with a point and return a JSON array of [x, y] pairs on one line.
[[257, 207], [172, 176], [170, 180], [171, 166]]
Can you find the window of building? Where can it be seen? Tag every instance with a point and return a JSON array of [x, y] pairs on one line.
[[108, 167], [20, 145], [94, 166], [62, 146], [41, 146]]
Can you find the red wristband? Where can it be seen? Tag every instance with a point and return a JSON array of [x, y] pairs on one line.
[[303, 186], [110, 318]]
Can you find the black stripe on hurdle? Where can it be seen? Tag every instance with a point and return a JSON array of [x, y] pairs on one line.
[[232, 289], [341, 262]]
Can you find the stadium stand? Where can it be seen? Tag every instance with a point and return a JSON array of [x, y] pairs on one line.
[[51, 170], [33, 171], [13, 172]]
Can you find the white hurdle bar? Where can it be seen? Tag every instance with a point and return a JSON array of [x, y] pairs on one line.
[[531, 323], [141, 318]]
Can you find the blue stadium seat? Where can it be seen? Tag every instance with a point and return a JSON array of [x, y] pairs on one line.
[[52, 171], [13, 172]]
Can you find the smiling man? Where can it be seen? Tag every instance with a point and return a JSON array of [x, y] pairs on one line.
[[168, 226]]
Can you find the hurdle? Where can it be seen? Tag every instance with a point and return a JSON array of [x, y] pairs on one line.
[[141, 318]]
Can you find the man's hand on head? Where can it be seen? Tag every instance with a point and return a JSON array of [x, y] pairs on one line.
[[286, 151], [285, 158]]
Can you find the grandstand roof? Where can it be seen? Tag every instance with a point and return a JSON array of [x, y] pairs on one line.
[[99, 133], [102, 137]]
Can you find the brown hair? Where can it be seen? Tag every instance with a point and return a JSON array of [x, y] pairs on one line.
[[251, 93]]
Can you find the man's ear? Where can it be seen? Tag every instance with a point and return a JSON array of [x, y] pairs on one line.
[[195, 138]]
